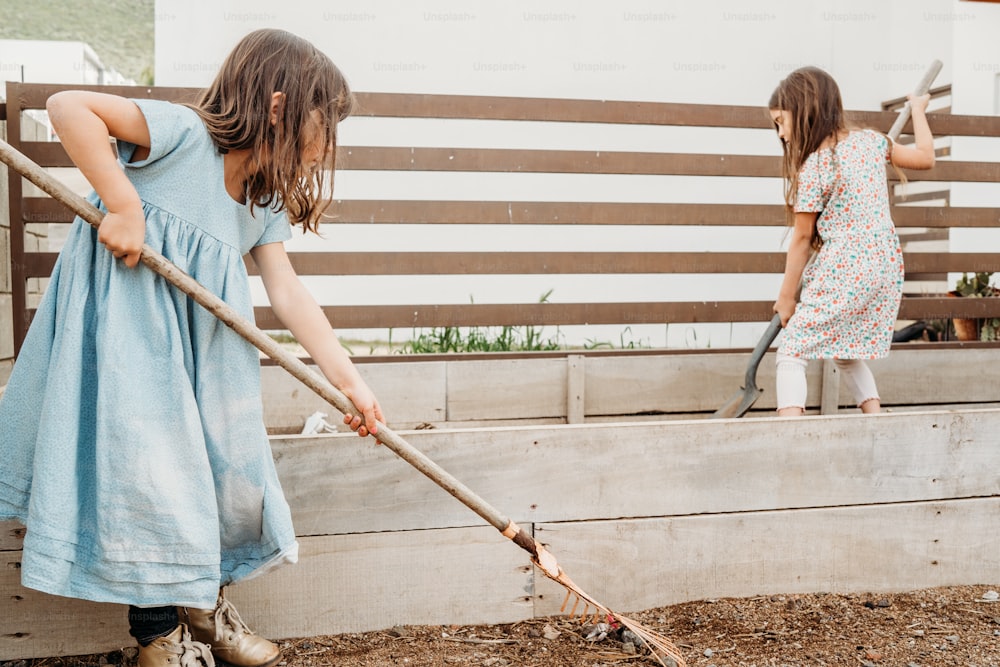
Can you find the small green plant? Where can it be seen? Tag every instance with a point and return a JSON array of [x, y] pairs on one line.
[[975, 286], [990, 329], [282, 337], [483, 339]]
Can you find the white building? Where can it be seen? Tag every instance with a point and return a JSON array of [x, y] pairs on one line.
[[50, 61], [45, 61], [711, 51]]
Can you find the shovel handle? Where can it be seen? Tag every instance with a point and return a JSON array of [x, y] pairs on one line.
[[922, 87], [750, 380]]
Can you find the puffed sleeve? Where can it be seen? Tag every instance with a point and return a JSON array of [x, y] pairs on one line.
[[813, 187], [276, 227], [884, 144], [169, 125]]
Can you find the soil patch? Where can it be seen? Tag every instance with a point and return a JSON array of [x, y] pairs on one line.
[[941, 627]]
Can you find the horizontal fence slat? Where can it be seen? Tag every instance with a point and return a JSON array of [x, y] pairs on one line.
[[558, 314], [515, 263], [38, 265], [371, 211], [625, 112], [534, 314], [562, 314], [503, 160], [34, 95], [403, 105], [587, 263]]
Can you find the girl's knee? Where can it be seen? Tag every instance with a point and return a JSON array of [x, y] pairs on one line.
[[790, 389]]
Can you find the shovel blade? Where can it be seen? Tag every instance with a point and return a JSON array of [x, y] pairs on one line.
[[739, 404]]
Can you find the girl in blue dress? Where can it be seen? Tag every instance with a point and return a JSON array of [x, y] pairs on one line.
[[132, 435]]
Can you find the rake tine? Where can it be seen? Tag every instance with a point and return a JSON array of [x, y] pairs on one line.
[[572, 612]]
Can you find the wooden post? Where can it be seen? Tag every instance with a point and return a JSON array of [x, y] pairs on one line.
[[575, 388], [829, 402]]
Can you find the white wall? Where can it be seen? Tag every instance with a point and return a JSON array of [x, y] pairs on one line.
[[976, 89], [44, 61], [717, 51]]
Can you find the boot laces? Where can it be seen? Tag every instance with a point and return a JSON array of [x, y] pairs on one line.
[[228, 619], [192, 653]]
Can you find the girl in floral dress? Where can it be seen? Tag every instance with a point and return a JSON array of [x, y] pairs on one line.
[[843, 249]]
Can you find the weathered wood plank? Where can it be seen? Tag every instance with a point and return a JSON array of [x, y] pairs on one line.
[[622, 386], [410, 394], [349, 583], [629, 112], [408, 105], [922, 376], [34, 95], [355, 583], [682, 383], [381, 211], [575, 388], [541, 314], [584, 263], [337, 484], [624, 313], [642, 564], [11, 535], [515, 389], [510, 160]]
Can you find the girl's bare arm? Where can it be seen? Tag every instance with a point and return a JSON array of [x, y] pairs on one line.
[[921, 154], [799, 250], [299, 312], [85, 122]]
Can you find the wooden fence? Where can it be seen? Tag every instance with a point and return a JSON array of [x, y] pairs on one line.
[[401, 160]]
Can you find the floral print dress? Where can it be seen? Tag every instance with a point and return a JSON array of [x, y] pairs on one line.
[[852, 288]]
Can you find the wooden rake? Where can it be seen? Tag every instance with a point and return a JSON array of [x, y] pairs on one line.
[[662, 648]]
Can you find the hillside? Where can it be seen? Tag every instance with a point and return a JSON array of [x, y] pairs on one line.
[[119, 31]]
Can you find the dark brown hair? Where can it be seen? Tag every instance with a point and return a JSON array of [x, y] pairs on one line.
[[812, 99], [236, 109]]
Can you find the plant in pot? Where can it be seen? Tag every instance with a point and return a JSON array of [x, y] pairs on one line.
[[975, 286]]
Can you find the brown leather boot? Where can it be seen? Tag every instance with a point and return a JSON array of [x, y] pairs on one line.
[[231, 641], [177, 648]]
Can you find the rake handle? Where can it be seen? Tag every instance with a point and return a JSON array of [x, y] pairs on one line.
[[175, 276]]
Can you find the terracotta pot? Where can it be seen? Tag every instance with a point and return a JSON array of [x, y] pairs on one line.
[[965, 329]]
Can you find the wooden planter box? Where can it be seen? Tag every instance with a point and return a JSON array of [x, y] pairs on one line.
[[641, 510]]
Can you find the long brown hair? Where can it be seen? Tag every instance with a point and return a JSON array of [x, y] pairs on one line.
[[812, 99], [236, 109]]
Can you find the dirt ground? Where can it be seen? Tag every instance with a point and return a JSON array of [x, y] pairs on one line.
[[940, 627]]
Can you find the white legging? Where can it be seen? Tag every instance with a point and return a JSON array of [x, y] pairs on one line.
[[791, 380]]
